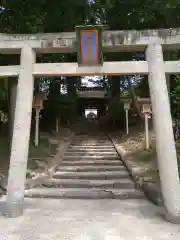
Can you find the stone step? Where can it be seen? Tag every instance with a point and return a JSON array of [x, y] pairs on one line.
[[81, 183], [91, 145], [91, 162], [92, 175], [90, 139], [93, 168], [87, 140], [82, 151], [78, 193], [85, 158], [78, 143], [91, 153], [91, 148]]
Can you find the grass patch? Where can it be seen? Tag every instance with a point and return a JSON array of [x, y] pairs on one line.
[[149, 157], [43, 150], [145, 155], [178, 152], [38, 155], [151, 174]]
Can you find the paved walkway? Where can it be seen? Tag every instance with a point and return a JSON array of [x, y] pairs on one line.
[[88, 220]]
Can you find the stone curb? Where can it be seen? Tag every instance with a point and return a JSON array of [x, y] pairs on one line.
[[151, 190], [153, 193], [37, 181]]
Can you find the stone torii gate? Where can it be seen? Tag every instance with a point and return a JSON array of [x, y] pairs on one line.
[[153, 42]]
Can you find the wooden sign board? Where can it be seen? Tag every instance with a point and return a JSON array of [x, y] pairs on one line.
[[89, 45]]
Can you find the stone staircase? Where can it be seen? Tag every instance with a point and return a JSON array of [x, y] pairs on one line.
[[83, 125], [90, 169]]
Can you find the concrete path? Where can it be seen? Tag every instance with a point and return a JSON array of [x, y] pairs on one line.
[[88, 220]]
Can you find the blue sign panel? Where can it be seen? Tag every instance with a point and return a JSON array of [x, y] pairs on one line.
[[89, 47]]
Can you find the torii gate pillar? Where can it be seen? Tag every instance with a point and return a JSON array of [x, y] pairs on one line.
[[165, 144], [12, 104], [21, 135]]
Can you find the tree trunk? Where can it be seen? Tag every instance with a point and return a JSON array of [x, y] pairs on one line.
[[134, 99]]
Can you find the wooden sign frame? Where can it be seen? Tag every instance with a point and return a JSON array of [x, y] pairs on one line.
[[89, 45]]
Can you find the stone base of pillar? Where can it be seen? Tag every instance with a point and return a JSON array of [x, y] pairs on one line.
[[13, 210], [172, 219]]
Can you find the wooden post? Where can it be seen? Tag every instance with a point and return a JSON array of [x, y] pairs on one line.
[[57, 125], [36, 139], [126, 108], [127, 122], [146, 131], [38, 105], [146, 111]]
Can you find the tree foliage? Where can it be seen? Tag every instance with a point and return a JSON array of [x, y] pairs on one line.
[[30, 16]]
